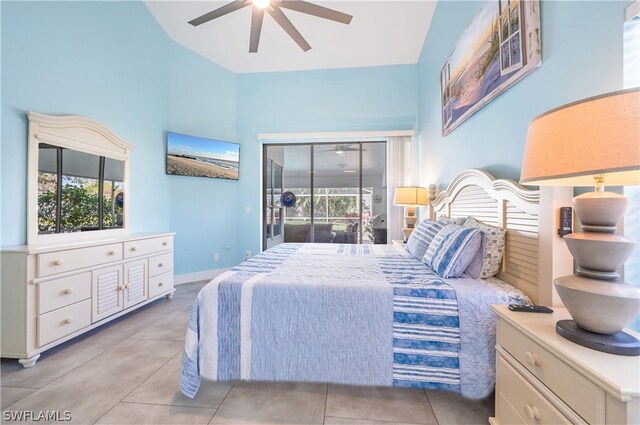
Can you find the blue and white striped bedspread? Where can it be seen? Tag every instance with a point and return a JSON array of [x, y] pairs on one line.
[[339, 314]]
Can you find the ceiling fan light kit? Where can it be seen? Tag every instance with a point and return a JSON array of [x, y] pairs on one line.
[[274, 8], [261, 4]]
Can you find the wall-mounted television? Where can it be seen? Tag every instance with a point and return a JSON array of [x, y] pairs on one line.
[[202, 157]]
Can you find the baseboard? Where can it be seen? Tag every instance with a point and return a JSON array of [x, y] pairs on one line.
[[180, 279]]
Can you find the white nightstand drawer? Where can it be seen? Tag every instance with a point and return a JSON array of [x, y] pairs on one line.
[[515, 395], [159, 284], [160, 264], [64, 321], [72, 259], [147, 246], [63, 292], [584, 397]]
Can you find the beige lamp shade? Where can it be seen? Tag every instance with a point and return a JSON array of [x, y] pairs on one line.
[[410, 196], [569, 145]]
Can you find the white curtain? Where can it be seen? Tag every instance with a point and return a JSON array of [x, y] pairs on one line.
[[631, 77], [400, 164]]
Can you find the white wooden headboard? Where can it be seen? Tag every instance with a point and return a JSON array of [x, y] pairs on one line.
[[534, 254]]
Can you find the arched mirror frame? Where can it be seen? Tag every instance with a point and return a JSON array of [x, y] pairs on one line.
[[84, 135]]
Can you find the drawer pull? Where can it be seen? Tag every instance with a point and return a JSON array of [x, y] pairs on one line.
[[68, 320], [111, 253], [532, 412], [532, 359], [68, 291], [57, 262], [160, 265], [125, 286], [133, 248], [160, 283], [164, 244]]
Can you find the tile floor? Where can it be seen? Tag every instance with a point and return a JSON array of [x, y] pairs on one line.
[[127, 372]]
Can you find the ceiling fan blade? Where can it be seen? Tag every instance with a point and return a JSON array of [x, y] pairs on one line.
[[315, 10], [221, 11], [257, 16], [286, 25]]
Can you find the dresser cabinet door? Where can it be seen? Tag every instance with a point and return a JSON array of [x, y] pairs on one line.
[[107, 292], [135, 283]]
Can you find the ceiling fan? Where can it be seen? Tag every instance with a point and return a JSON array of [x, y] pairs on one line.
[[340, 149], [274, 8]]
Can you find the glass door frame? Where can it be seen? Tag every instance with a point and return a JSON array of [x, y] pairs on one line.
[[269, 226], [312, 146]]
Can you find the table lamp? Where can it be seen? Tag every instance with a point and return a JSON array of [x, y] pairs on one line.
[[592, 142], [410, 197]]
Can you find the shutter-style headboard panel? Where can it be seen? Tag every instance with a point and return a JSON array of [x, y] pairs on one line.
[[507, 205]]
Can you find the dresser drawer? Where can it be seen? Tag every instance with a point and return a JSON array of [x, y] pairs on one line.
[[63, 292], [160, 264], [147, 246], [584, 397], [160, 284], [64, 321], [72, 259], [520, 402]]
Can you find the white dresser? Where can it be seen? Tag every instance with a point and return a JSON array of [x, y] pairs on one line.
[[543, 378], [53, 293]]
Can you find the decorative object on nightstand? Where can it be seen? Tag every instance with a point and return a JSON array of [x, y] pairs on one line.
[[410, 197], [586, 143]]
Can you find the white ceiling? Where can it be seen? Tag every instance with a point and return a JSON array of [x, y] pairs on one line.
[[381, 33]]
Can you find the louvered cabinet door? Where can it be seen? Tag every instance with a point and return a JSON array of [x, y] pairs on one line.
[[135, 283], [107, 296]]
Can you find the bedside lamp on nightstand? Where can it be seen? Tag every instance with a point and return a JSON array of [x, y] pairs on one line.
[[410, 197], [590, 143]]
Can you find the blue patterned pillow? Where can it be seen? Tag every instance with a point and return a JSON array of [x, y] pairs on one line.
[[489, 257], [452, 249], [422, 236]]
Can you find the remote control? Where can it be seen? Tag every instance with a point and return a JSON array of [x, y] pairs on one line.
[[530, 308]]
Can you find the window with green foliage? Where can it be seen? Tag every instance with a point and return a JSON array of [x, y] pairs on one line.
[[78, 191]]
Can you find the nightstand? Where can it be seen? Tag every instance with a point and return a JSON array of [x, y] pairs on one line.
[[542, 378]]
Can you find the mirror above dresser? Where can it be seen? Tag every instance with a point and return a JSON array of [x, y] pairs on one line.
[[78, 180]]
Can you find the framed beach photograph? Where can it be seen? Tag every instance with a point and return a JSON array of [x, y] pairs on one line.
[[201, 157], [499, 47]]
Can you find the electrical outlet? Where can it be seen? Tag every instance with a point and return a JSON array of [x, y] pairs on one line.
[[216, 257]]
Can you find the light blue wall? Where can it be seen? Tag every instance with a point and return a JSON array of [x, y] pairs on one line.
[[380, 98], [202, 103], [91, 59], [112, 62], [581, 57]]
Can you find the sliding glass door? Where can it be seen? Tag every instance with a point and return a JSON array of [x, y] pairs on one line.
[[324, 193]]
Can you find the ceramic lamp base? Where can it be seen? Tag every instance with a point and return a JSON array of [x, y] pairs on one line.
[[620, 343], [600, 306]]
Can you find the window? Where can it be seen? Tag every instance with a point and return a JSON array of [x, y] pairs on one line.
[[77, 191], [339, 206], [510, 18]]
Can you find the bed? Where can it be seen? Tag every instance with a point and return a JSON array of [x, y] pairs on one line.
[[370, 314]]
